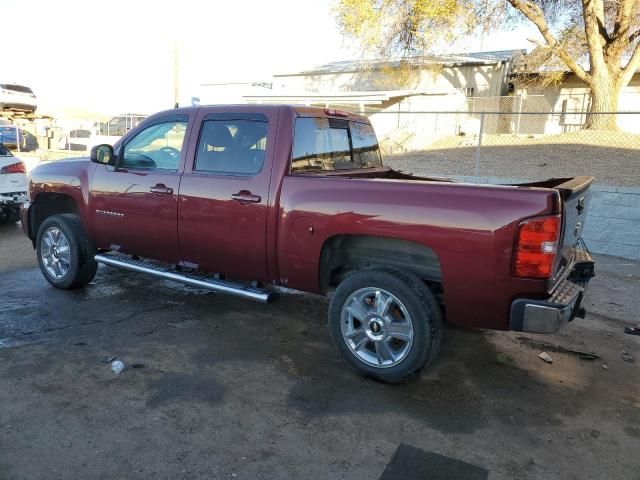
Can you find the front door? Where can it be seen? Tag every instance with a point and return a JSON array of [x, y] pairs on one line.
[[224, 193], [134, 205]]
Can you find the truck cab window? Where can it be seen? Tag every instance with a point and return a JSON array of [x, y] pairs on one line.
[[157, 147], [366, 153], [231, 147], [322, 144]]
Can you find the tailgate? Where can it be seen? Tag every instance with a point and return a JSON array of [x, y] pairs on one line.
[[575, 196]]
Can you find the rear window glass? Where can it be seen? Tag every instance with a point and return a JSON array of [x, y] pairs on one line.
[[16, 88], [323, 144]]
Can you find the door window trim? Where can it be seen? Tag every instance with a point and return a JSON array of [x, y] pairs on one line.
[[229, 116]]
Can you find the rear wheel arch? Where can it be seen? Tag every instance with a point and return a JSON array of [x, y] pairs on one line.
[[343, 254]]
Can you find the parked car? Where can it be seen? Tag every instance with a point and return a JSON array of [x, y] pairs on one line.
[[77, 140], [118, 126], [17, 98], [13, 186], [234, 198], [11, 136]]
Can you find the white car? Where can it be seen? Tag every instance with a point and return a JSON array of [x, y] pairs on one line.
[[17, 97], [13, 186]]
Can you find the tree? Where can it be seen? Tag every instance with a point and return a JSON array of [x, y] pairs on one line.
[[606, 33]]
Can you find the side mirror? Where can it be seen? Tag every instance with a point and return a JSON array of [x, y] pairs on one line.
[[103, 154]]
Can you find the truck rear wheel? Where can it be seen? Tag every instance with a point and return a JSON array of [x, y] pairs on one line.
[[65, 255], [386, 324]]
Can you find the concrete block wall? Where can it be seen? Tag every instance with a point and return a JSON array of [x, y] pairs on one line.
[[613, 220]]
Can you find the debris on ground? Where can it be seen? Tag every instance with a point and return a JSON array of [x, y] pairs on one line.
[[627, 357], [117, 366], [504, 359], [604, 367], [595, 433], [632, 330], [108, 359], [545, 356], [557, 348]]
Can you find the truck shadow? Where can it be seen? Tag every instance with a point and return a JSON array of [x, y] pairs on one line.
[[189, 339], [468, 387]]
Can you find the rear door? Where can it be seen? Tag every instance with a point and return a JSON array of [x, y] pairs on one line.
[[134, 206], [224, 193]]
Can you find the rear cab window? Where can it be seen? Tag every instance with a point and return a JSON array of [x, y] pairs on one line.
[[329, 144]]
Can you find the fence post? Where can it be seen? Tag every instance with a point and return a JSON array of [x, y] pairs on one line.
[[519, 114], [477, 169]]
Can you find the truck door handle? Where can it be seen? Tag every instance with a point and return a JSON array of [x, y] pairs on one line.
[[161, 189], [246, 196]]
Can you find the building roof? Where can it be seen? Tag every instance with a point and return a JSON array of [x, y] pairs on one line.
[[376, 97], [450, 60]]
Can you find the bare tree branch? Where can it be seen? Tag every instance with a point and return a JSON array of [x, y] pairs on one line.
[[536, 16], [621, 38], [623, 18], [593, 14], [631, 68]]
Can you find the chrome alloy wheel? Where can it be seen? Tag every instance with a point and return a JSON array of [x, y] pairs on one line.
[[55, 253], [377, 327]]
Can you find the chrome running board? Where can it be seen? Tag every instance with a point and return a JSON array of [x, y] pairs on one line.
[[193, 279]]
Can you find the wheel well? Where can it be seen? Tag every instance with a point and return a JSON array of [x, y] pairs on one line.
[[344, 253], [45, 205]]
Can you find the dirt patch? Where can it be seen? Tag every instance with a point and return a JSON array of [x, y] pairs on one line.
[[613, 158]]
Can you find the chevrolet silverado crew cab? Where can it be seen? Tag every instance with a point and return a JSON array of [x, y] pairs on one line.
[[240, 199]]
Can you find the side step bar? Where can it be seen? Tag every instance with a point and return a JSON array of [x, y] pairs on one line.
[[193, 279]]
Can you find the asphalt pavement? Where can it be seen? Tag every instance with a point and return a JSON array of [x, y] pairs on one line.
[[219, 387]]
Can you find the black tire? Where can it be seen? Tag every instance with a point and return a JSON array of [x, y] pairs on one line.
[[420, 304], [82, 267]]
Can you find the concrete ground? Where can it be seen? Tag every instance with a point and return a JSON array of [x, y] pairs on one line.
[[224, 388]]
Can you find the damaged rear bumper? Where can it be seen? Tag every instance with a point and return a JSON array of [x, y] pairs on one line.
[[564, 304]]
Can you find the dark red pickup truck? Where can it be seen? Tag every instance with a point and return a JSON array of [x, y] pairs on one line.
[[237, 198]]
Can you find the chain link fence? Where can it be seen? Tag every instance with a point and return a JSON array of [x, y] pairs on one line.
[[520, 144], [36, 139], [501, 137]]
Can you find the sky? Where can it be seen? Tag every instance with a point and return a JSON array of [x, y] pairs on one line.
[[117, 56]]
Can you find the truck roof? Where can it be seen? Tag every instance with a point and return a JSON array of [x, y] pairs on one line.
[[298, 110]]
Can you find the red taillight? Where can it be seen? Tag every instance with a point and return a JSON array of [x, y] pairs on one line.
[[536, 247], [14, 168]]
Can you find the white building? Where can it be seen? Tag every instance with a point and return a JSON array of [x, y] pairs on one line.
[[389, 92]]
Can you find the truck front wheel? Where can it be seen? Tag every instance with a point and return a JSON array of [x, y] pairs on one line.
[[387, 324], [64, 252]]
